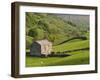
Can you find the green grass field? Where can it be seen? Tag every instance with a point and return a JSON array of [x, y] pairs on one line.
[[71, 45], [76, 58], [79, 57]]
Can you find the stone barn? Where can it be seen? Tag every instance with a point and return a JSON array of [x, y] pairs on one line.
[[41, 47]]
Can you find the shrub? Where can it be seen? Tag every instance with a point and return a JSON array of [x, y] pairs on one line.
[[29, 41]]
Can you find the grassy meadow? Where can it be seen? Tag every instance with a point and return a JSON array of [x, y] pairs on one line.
[[77, 57]]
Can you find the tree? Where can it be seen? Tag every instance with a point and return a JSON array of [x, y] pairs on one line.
[[29, 41], [36, 33]]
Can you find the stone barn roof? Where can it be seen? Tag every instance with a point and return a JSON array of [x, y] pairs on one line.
[[44, 42]]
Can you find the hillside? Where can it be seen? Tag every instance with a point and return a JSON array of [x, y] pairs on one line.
[[49, 26], [81, 21]]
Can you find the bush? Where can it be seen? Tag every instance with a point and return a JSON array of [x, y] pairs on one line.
[[29, 41], [36, 33]]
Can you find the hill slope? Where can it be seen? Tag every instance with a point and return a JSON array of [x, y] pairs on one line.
[[81, 21], [49, 26]]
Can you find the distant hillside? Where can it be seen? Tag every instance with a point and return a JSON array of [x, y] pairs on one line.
[[81, 21], [55, 28]]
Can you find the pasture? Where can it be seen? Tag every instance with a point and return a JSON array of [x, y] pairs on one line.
[[75, 58]]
